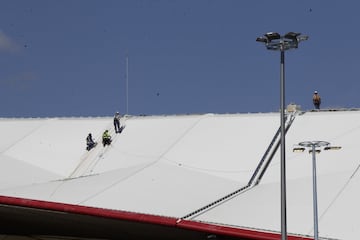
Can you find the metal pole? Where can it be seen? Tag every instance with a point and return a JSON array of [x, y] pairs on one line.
[[282, 165], [316, 231], [127, 84]]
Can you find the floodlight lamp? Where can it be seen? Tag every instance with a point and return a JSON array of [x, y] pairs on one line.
[[272, 36], [332, 148], [262, 39], [290, 43], [316, 151], [302, 38], [292, 35], [298, 149]]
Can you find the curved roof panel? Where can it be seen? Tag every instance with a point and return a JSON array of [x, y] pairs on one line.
[[173, 166]]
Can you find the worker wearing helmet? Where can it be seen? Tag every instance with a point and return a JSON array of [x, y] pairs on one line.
[[117, 122], [316, 100], [106, 138], [90, 143]]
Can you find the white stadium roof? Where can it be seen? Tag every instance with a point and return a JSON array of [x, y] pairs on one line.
[[198, 172]]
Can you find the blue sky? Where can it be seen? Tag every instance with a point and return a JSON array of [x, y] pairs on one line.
[[68, 58]]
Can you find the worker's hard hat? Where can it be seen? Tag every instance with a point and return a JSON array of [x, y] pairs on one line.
[[315, 92]]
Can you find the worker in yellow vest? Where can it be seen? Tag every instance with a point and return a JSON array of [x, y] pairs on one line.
[[106, 138]]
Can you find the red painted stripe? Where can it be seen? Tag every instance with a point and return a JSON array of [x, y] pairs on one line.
[[144, 218], [236, 232], [98, 212]]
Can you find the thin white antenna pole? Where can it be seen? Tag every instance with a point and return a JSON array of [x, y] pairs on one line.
[[127, 84]]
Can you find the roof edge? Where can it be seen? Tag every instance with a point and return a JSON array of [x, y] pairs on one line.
[[207, 228]]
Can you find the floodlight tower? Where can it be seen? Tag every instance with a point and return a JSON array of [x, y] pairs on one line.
[[314, 147], [277, 42]]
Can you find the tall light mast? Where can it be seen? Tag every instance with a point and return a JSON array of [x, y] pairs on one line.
[[127, 84]]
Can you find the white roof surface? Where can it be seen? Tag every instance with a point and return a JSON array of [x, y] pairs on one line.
[[175, 165]]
